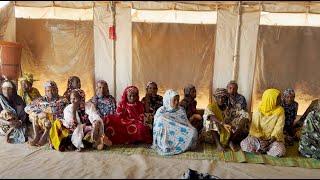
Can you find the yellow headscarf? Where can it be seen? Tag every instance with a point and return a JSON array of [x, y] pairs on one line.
[[27, 77], [268, 105]]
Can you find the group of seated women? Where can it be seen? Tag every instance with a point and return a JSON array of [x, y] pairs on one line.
[[172, 126]]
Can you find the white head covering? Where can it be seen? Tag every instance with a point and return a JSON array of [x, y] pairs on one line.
[[168, 96], [7, 84]]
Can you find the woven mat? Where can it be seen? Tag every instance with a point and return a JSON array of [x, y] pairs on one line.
[[208, 152]]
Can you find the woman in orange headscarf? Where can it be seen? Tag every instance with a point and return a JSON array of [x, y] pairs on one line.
[[266, 130]]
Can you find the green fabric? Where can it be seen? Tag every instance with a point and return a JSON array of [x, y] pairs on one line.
[[310, 143], [208, 152]]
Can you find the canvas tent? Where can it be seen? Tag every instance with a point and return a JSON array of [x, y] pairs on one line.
[[260, 44], [207, 43]]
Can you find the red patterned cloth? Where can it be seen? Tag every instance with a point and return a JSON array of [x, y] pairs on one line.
[[127, 126]]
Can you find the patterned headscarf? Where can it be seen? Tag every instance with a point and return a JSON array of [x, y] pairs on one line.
[[27, 77], [102, 82], [288, 92], [220, 92], [167, 98], [105, 83], [151, 82], [79, 93], [187, 90], [124, 99], [50, 84], [232, 82], [71, 78]]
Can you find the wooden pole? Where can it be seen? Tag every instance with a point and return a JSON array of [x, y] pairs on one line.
[[235, 71], [113, 13]]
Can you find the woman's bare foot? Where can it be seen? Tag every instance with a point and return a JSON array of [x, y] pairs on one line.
[[43, 140], [233, 147], [220, 148], [7, 139], [78, 150], [33, 142], [100, 146], [106, 141]]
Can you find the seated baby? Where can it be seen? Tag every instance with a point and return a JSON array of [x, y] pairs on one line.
[[8, 116], [42, 124]]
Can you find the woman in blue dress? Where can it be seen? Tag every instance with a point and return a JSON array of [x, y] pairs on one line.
[[172, 131]]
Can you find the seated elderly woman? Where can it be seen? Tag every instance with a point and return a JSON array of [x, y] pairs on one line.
[[190, 105], [172, 131], [222, 124], [103, 101], [14, 106], [266, 130], [309, 145], [236, 100], [152, 102], [43, 111], [27, 92]]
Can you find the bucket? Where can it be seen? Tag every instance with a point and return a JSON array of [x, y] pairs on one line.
[[10, 59]]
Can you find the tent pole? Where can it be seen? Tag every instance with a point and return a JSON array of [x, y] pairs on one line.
[[113, 13], [236, 48]]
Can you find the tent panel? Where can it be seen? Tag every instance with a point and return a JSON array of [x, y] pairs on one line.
[[288, 57], [57, 49], [7, 23], [174, 55]]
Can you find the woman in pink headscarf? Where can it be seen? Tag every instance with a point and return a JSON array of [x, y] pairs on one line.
[[128, 125]]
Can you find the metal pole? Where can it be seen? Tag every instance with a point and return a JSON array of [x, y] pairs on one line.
[[237, 45], [113, 13]]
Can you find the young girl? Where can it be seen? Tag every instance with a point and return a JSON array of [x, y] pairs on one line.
[[152, 102], [128, 126], [190, 105], [88, 126], [290, 107]]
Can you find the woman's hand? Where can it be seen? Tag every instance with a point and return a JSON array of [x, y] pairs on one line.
[[273, 139], [227, 127], [15, 123]]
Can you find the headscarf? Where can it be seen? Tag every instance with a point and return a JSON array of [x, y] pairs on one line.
[[102, 82], [288, 92], [124, 99], [232, 82], [220, 92], [82, 112], [16, 100], [187, 90], [69, 89], [167, 98], [27, 77], [268, 105], [71, 78], [151, 82], [79, 92], [7, 83], [51, 84]]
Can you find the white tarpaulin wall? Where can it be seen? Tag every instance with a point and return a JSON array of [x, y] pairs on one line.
[[226, 29]]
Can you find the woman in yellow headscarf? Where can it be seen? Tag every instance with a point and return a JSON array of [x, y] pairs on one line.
[[26, 91], [266, 130]]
